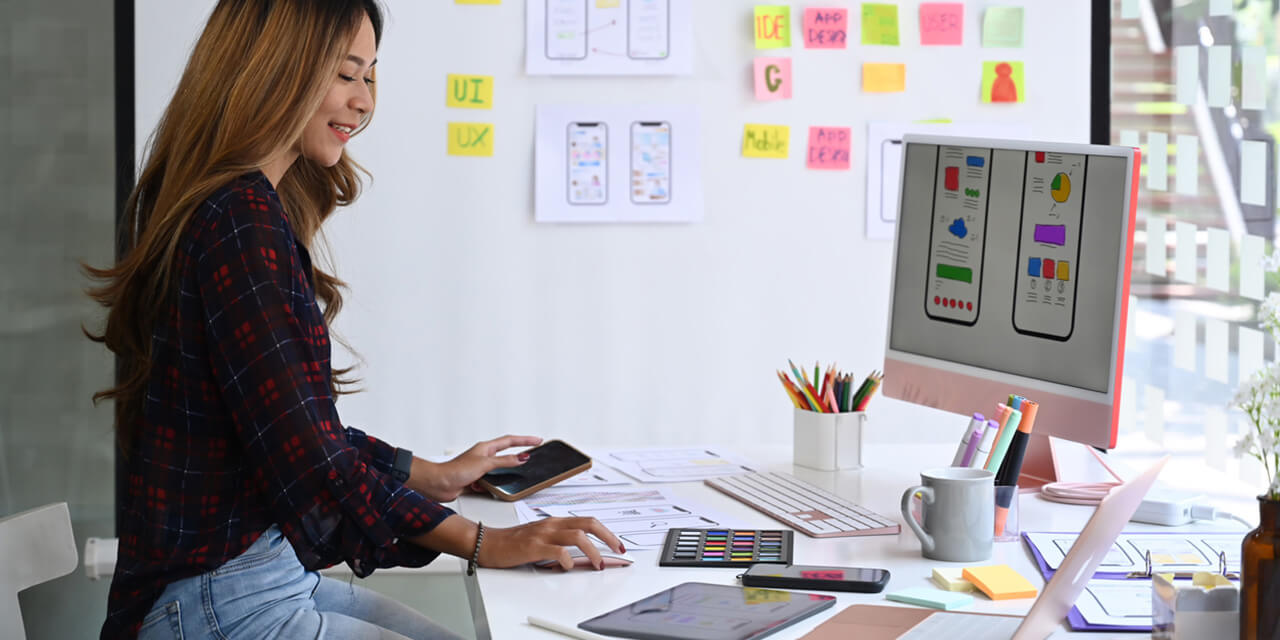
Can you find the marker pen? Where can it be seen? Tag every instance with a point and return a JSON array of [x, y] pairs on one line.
[[972, 434], [984, 446]]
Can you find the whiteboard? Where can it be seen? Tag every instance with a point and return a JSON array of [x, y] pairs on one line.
[[472, 320]]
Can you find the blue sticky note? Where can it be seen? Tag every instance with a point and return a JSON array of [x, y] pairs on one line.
[[936, 598], [1033, 267], [975, 161]]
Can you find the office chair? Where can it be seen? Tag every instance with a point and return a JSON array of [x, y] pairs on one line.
[[35, 546]]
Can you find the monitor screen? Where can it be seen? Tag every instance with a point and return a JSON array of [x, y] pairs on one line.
[[1010, 270]]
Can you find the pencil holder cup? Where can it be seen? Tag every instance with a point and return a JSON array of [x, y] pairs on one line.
[[1007, 525], [828, 441]]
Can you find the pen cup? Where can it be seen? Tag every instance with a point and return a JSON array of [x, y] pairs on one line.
[[1007, 524], [828, 441]]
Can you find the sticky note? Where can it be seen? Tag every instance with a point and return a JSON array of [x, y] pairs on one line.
[[1251, 274], [1129, 138], [1188, 164], [941, 23], [880, 23], [1215, 440], [1249, 353], [1184, 252], [1128, 9], [826, 28], [1186, 62], [469, 92], [608, 4], [773, 26], [773, 78], [1253, 172], [1157, 246], [926, 597], [1153, 416], [1218, 89], [765, 140], [1184, 340], [470, 139], [1219, 7], [1215, 349], [883, 77], [1217, 261], [1000, 582], [1157, 161], [951, 579], [828, 148], [1253, 77], [1002, 82], [1002, 27]]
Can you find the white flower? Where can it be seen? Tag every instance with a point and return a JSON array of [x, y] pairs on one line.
[[1246, 444], [1271, 262]]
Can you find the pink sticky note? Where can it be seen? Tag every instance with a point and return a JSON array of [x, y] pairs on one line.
[[828, 148], [942, 23], [826, 28], [773, 78]]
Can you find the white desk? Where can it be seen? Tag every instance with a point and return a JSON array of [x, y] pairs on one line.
[[505, 597]]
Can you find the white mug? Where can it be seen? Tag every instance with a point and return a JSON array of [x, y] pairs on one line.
[[959, 513]]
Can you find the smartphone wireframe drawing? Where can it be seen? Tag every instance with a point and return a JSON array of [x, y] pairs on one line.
[[588, 170], [566, 29], [648, 29], [650, 162]]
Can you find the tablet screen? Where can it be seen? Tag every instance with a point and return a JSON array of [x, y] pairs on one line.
[[545, 462], [700, 611]]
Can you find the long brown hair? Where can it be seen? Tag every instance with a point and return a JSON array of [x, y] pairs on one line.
[[256, 76]]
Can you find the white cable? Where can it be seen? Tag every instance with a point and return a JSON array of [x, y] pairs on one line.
[[1231, 516], [1087, 493]]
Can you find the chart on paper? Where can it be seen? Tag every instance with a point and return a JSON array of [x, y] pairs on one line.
[[1049, 245], [958, 234]]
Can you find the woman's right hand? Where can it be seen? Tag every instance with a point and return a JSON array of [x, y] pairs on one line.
[[546, 539]]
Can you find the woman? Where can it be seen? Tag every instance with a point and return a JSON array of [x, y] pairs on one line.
[[240, 480]]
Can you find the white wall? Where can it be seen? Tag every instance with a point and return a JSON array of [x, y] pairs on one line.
[[473, 321]]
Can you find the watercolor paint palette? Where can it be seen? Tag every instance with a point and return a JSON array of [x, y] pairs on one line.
[[725, 547]]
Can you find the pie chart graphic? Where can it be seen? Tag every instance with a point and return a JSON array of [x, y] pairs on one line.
[[1060, 189]]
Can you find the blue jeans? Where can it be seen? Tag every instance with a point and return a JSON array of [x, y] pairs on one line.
[[266, 593]]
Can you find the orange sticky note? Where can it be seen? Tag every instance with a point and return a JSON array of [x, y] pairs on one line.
[[828, 148], [941, 23], [826, 28], [880, 77], [1000, 582], [773, 78]]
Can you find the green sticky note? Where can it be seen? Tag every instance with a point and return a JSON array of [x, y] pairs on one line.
[[1002, 27], [1002, 82], [880, 24], [773, 26]]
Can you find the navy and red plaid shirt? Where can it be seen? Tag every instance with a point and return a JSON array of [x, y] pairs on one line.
[[239, 427]]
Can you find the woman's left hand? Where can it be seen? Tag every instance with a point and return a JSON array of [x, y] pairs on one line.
[[445, 481]]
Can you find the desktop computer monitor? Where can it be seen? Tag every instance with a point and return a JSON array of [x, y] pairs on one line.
[[1010, 276]]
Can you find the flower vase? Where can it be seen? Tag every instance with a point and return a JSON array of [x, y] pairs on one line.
[[1260, 575]]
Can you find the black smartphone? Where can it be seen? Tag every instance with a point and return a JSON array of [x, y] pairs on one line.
[[808, 576], [548, 463]]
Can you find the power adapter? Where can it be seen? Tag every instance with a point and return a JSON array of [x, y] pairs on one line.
[[1172, 508]]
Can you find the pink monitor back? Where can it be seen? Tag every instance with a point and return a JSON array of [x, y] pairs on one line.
[[1065, 412]]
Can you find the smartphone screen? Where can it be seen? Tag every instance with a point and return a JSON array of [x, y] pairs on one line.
[[588, 163], [648, 28], [650, 162], [566, 24], [545, 462], [818, 573]]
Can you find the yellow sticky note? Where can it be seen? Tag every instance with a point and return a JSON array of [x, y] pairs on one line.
[[608, 4], [880, 77], [1002, 82], [470, 139], [765, 141], [469, 92], [951, 579], [1000, 582], [477, 1], [765, 596], [773, 26]]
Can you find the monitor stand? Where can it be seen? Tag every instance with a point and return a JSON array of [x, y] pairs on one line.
[[1050, 459]]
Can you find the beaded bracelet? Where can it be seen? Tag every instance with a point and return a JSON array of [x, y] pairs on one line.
[[475, 555]]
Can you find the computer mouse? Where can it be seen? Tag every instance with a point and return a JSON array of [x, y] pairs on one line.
[[580, 559]]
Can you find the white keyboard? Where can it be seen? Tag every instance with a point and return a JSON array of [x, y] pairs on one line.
[[806, 508]]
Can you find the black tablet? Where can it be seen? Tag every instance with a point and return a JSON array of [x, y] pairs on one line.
[[700, 611]]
